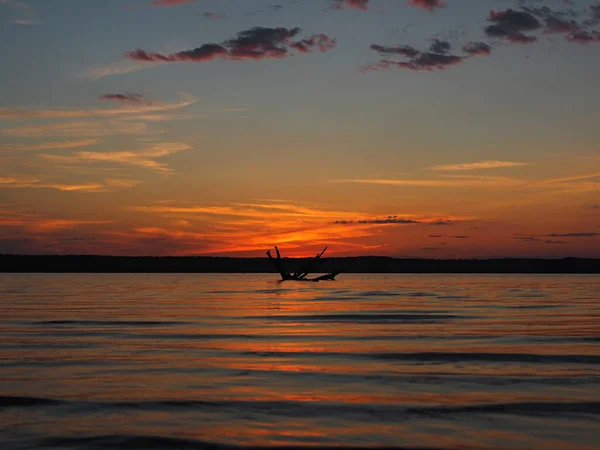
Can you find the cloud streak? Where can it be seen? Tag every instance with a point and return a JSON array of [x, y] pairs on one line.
[[478, 165], [145, 158], [171, 2], [55, 145], [17, 113], [20, 182]]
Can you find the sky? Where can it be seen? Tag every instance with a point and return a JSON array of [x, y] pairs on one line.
[[404, 128]]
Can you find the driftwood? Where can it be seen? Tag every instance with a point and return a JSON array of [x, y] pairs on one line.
[[304, 270]]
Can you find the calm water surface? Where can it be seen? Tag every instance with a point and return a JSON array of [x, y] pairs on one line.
[[183, 361]]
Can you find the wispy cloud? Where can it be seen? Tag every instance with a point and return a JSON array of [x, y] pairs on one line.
[[213, 15], [20, 182], [98, 128], [16, 113], [54, 145], [459, 182], [145, 158], [120, 67], [171, 2], [478, 165], [23, 13], [573, 178]]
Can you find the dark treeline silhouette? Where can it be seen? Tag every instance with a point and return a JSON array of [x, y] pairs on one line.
[[360, 264]]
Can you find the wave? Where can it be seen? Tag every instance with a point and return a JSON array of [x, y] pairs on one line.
[[168, 443], [121, 323], [364, 318], [530, 358], [310, 409]]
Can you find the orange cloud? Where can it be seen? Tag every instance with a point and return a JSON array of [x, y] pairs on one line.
[[16, 113], [144, 158], [478, 165]]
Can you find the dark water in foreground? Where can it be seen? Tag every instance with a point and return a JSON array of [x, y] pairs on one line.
[[187, 361]]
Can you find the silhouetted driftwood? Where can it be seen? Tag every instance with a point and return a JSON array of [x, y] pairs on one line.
[[303, 272]]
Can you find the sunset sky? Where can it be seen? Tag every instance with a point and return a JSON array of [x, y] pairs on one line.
[[407, 128]]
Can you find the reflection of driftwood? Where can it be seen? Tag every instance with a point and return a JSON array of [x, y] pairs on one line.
[[303, 272]]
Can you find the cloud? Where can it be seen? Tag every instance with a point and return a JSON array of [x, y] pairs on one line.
[[534, 238], [555, 21], [24, 14], [477, 48], [442, 222], [50, 145], [171, 2], [573, 178], [390, 220], [120, 67], [19, 182], [145, 158], [99, 128], [511, 24], [252, 44], [458, 182], [478, 165], [583, 37], [213, 15], [361, 5], [437, 236], [16, 113], [429, 5], [543, 237], [438, 56], [403, 50], [573, 235], [125, 98]]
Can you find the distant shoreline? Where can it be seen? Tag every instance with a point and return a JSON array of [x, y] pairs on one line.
[[358, 264]]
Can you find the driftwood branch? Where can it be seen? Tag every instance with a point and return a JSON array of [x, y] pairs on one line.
[[303, 272]]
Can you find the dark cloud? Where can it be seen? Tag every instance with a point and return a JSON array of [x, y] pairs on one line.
[[440, 46], [437, 58], [583, 37], [511, 24], [254, 44], [595, 12], [390, 220], [125, 98], [446, 236], [573, 235], [543, 237], [528, 238], [442, 222], [361, 5], [403, 50], [320, 41], [429, 5], [477, 48], [555, 21]]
